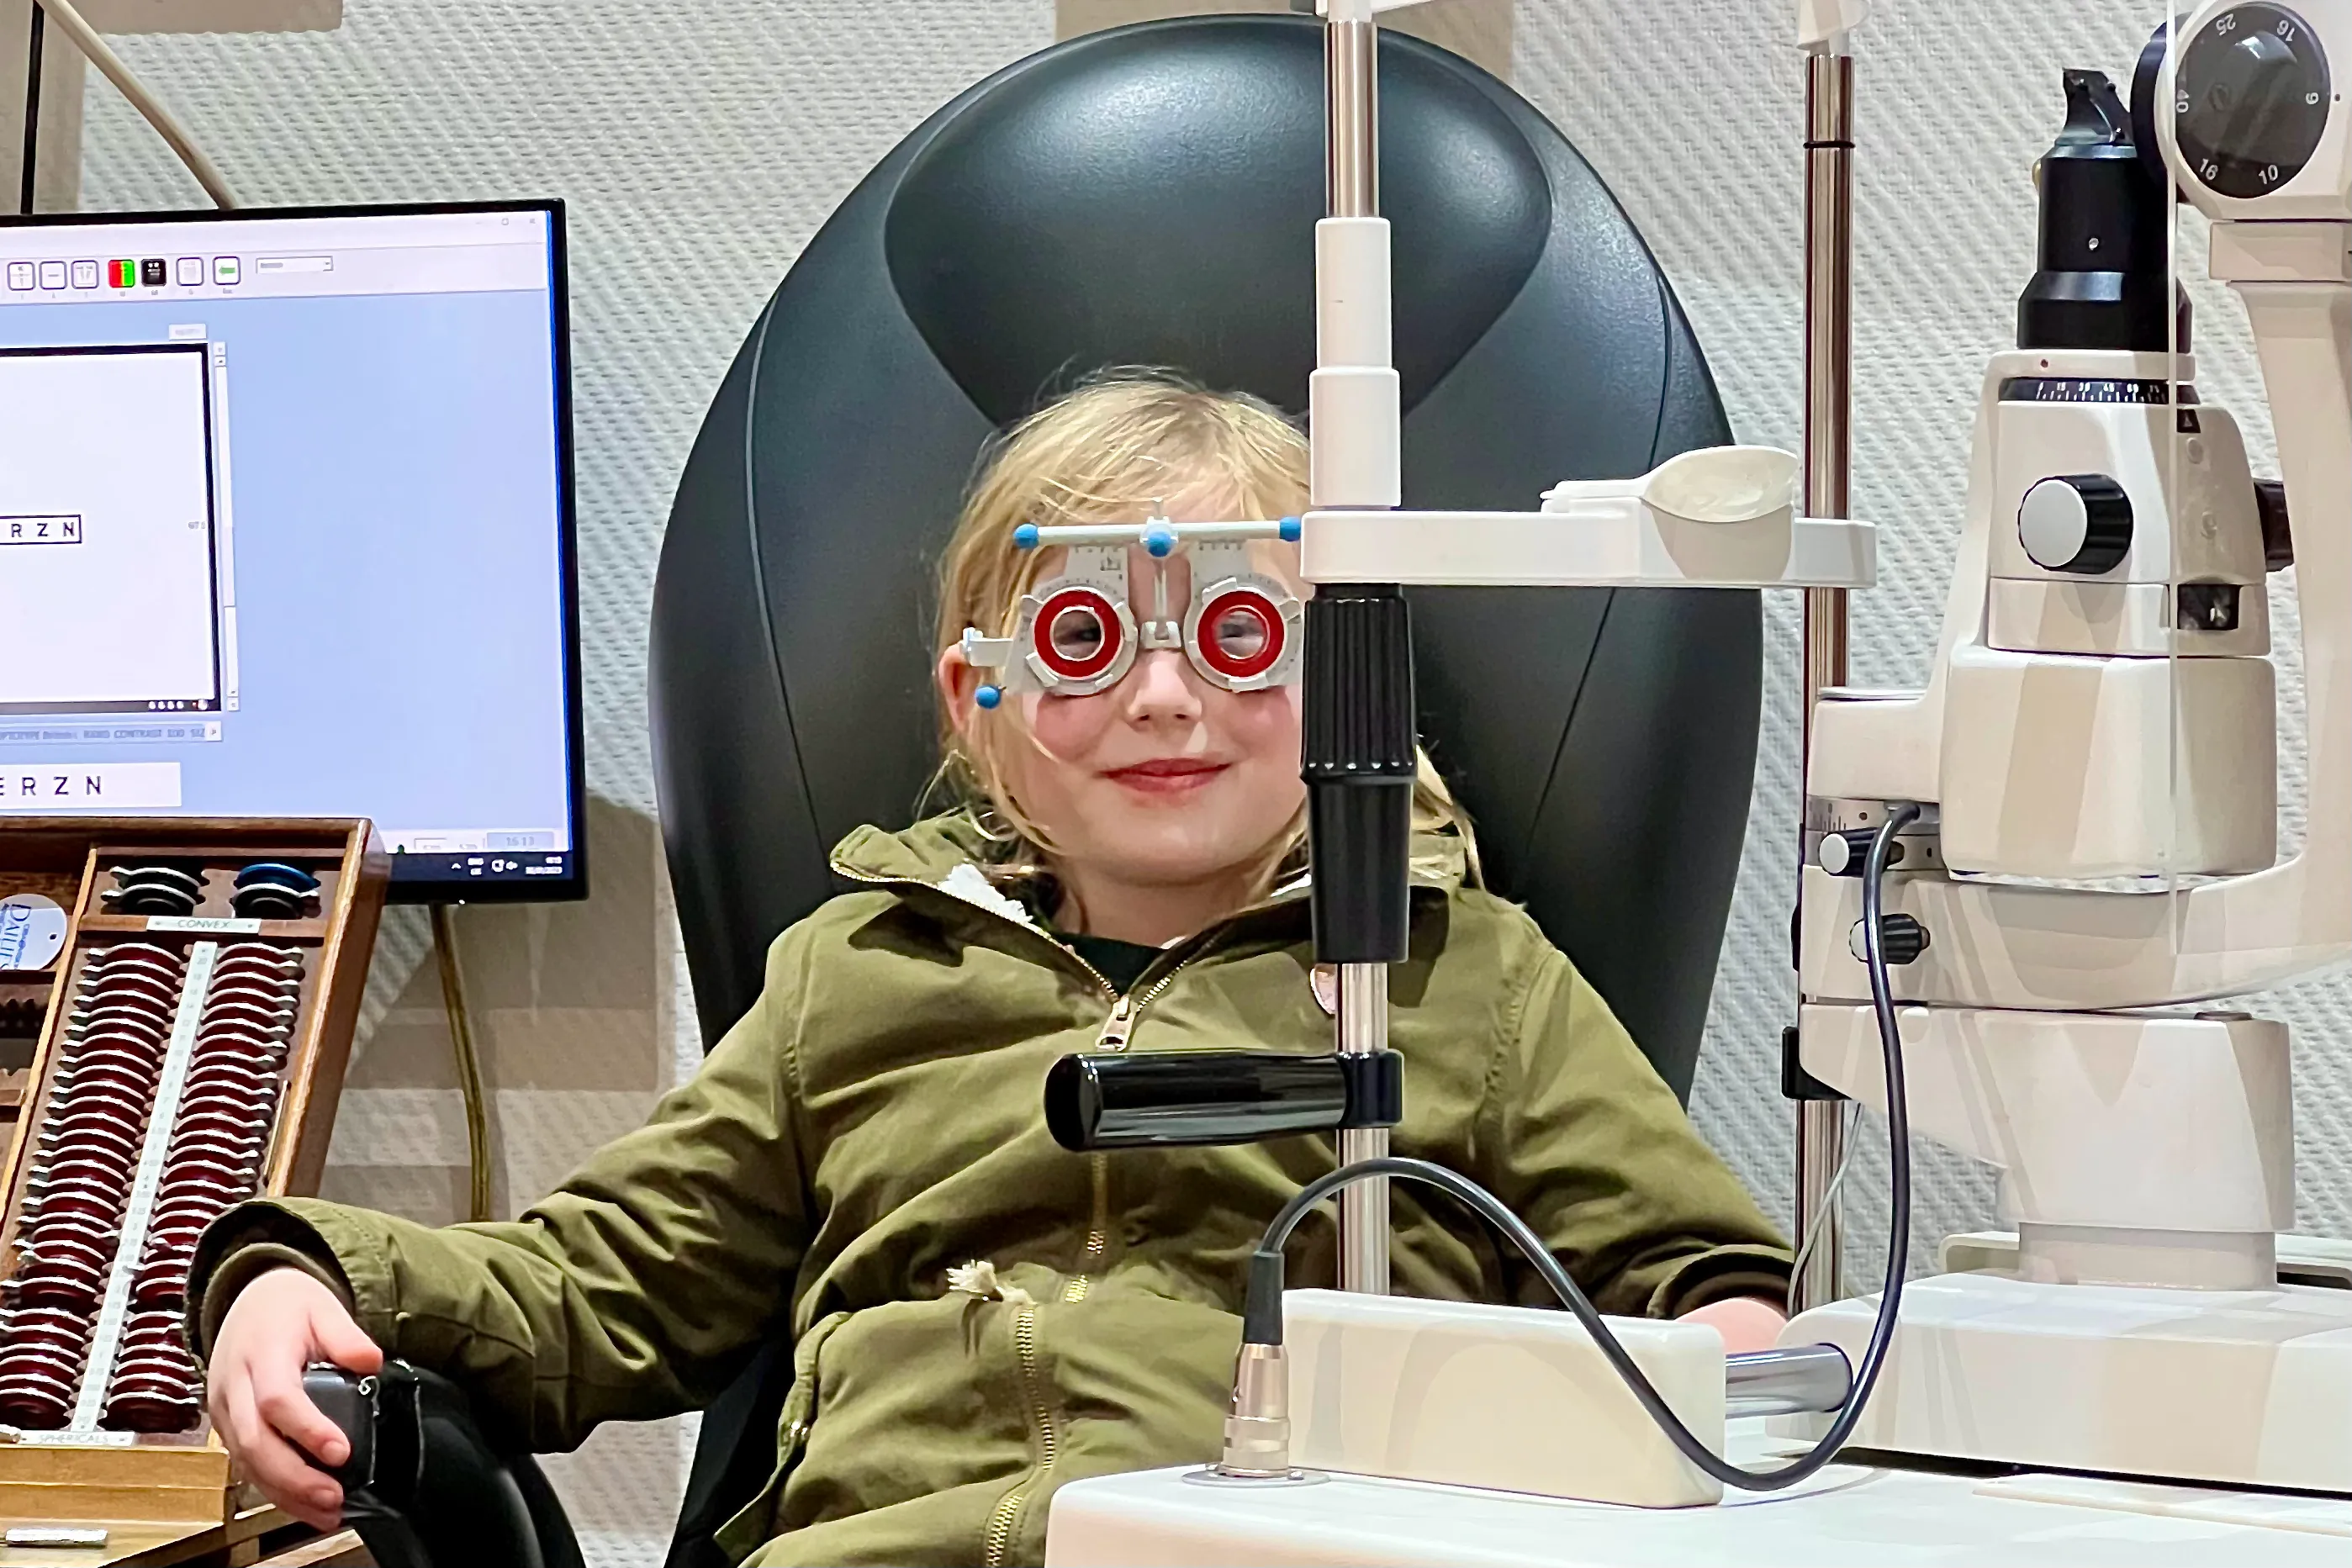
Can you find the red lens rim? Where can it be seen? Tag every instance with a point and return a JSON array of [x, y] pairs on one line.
[[1092, 603], [1251, 602]]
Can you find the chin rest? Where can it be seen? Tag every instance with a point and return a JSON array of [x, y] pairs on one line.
[[426, 1486]]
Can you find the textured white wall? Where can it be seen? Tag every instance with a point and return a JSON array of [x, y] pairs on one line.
[[700, 146]]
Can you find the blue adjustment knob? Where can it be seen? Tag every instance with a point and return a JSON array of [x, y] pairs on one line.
[[1160, 539], [1291, 531], [989, 696], [1026, 537]]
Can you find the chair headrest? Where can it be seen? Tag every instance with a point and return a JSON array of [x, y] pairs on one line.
[[1159, 189]]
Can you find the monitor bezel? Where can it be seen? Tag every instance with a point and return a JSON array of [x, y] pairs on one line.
[[413, 888]]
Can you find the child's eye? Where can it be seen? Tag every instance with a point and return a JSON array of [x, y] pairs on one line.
[[1076, 634], [1241, 635]]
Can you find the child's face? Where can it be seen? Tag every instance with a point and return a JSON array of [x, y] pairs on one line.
[[1165, 779]]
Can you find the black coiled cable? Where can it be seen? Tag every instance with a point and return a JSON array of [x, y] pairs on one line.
[[1262, 1310]]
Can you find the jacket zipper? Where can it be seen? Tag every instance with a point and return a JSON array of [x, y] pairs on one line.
[[1097, 1231], [1115, 1031], [1114, 1036], [1007, 1513]]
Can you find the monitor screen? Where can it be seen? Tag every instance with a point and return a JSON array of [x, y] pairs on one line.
[[286, 529]]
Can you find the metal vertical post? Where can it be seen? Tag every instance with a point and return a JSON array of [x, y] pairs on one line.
[[29, 161], [1352, 190], [1351, 125], [1364, 1207], [1828, 443]]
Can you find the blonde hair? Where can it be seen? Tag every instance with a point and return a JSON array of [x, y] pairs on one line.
[[1117, 448]]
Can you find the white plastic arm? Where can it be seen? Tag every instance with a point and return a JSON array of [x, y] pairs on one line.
[[1822, 25]]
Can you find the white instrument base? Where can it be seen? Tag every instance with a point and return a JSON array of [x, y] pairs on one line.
[[2321, 1260], [2242, 1387], [1471, 1395], [1845, 1516]]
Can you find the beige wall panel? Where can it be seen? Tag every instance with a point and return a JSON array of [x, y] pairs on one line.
[[571, 1002], [64, 73], [213, 15], [564, 994]]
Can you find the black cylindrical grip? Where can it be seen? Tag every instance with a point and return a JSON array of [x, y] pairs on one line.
[[1362, 831], [1173, 1098], [1359, 763], [1358, 705]]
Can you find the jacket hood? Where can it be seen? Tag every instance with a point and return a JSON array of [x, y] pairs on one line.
[[951, 853]]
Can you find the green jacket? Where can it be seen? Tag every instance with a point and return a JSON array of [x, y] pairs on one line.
[[875, 1122]]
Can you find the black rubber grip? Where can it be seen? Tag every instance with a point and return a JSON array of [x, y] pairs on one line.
[[1375, 1082], [1165, 1100], [1174, 1099], [347, 1400], [1358, 764]]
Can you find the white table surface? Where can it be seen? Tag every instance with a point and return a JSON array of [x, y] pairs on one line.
[[1845, 1515]]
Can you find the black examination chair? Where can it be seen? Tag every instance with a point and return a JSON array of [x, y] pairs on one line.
[[1147, 197]]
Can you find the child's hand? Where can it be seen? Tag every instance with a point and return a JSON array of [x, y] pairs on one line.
[[1745, 1323], [279, 1324]]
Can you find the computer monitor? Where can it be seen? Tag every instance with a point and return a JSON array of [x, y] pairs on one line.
[[286, 529]]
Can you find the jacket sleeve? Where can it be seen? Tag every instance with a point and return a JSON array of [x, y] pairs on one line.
[[630, 1291], [1587, 1145]]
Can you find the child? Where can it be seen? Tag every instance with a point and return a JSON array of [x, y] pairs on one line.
[[863, 1163]]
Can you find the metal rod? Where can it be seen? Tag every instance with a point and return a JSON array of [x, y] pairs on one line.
[[469, 1066], [1821, 1149], [1364, 1207], [28, 181], [1351, 119], [1829, 282], [1786, 1382], [1829, 445], [1351, 46]]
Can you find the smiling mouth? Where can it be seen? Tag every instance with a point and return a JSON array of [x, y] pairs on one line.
[[1166, 775]]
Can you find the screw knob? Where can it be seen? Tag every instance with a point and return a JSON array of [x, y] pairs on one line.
[[2079, 523], [1900, 937], [1846, 852]]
